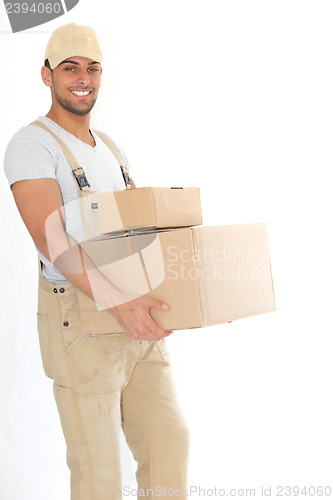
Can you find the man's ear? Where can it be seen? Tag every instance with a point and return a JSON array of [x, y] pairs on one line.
[[46, 76]]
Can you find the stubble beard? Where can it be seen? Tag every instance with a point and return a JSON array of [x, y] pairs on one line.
[[69, 106]]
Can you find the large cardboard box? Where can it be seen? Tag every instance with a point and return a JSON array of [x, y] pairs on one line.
[[208, 275], [149, 207]]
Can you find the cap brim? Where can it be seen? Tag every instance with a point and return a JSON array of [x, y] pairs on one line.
[[55, 60]]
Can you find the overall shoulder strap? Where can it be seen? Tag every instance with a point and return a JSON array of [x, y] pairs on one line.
[[78, 172], [115, 151]]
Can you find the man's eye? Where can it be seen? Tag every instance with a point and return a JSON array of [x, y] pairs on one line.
[[69, 68], [93, 69]]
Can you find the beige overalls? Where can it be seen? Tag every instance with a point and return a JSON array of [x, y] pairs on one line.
[[103, 383]]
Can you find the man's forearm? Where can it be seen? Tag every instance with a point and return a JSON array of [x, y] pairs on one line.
[[77, 268]]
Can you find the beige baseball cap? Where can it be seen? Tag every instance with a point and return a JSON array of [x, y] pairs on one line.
[[72, 40]]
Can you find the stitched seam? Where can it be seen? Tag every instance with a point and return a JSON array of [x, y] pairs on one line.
[[62, 338], [100, 393], [86, 439], [68, 365], [148, 443], [67, 349], [91, 470], [161, 353], [134, 365], [166, 355]]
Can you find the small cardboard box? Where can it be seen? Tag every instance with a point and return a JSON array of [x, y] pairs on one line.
[[149, 207], [208, 275]]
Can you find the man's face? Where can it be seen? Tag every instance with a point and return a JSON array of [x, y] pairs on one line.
[[75, 84]]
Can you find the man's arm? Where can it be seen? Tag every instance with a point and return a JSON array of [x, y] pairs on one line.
[[36, 200]]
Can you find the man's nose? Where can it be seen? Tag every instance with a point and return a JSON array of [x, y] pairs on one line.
[[84, 78]]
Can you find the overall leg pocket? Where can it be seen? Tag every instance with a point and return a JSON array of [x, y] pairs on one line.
[[71, 330], [69, 318], [45, 344]]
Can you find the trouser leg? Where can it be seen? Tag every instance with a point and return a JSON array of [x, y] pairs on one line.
[[154, 426], [91, 426], [94, 376], [89, 373], [88, 401]]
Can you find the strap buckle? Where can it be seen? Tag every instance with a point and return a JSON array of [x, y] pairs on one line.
[[124, 171], [81, 178]]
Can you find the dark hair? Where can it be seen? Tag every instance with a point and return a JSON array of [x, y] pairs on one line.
[[47, 64]]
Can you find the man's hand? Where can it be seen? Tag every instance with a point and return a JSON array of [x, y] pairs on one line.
[[134, 317], [37, 200]]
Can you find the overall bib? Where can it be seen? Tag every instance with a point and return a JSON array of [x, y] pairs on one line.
[[105, 382]]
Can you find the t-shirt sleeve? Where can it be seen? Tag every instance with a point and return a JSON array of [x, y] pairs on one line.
[[30, 155]]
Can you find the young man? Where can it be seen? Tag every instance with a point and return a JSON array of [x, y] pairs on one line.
[[101, 382]]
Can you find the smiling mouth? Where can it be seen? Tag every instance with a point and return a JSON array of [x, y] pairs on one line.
[[81, 93]]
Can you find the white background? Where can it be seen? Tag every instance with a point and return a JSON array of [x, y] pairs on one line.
[[234, 97]]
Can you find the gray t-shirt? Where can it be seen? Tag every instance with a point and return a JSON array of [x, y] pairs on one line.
[[33, 153]]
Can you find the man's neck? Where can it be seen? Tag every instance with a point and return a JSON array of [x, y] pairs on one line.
[[77, 125]]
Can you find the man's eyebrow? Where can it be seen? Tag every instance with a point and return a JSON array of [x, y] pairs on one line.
[[68, 61]]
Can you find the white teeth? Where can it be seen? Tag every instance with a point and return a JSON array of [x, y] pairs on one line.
[[80, 92]]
